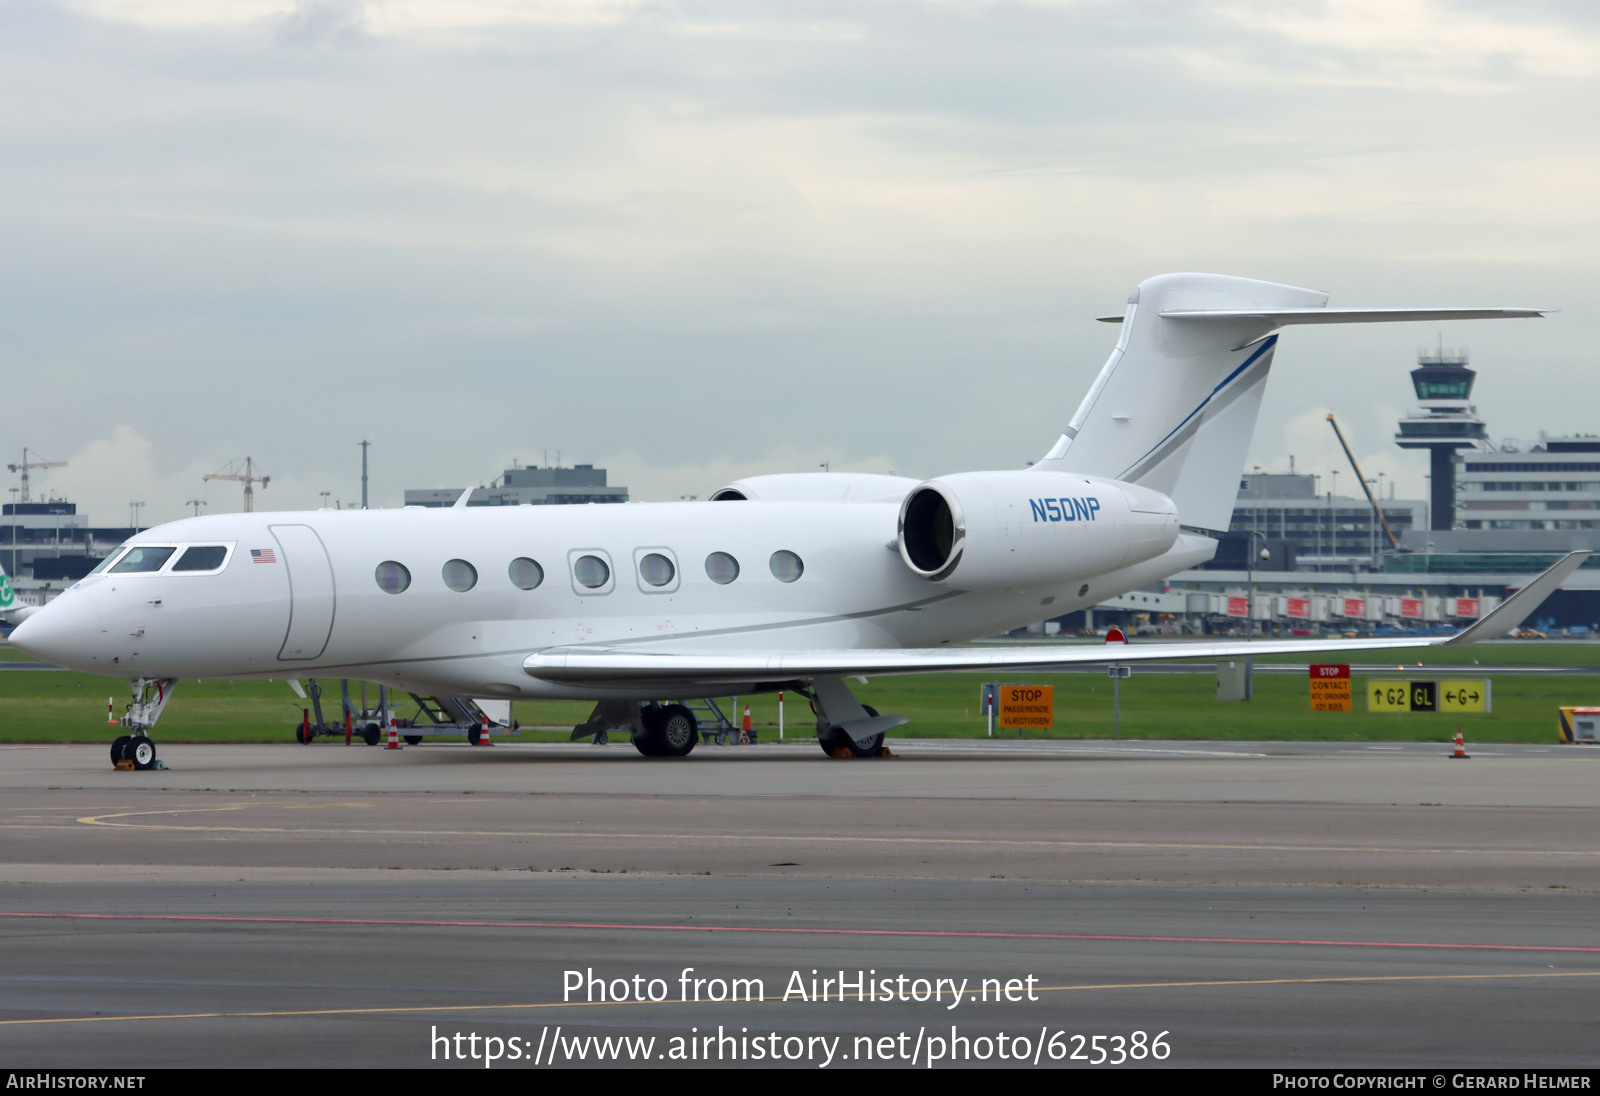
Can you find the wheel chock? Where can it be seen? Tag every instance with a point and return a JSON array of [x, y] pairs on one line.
[[888, 753], [125, 766], [843, 753], [160, 764]]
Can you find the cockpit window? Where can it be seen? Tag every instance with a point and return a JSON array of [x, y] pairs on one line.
[[142, 558], [202, 557], [103, 564]]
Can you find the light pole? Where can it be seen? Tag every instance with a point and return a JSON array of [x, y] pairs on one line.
[[14, 491], [324, 495], [197, 503], [133, 514], [1250, 612], [1333, 517]]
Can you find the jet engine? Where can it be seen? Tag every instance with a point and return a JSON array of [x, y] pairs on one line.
[[982, 530]]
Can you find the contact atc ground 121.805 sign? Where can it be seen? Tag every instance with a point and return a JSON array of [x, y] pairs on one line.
[[1330, 688]]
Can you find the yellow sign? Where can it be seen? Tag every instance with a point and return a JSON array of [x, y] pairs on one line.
[[1455, 697], [1027, 707], [1464, 696]]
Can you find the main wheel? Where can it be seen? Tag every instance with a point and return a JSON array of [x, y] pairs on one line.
[[119, 746], [648, 740], [835, 737], [678, 731], [142, 752], [371, 735]]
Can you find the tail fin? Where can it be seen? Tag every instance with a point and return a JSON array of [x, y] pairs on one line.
[[12, 611], [1174, 407]]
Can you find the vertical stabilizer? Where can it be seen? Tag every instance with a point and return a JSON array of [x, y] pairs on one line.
[[1174, 407]]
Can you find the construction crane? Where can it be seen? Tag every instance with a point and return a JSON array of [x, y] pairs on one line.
[[1376, 509], [27, 464], [248, 477]]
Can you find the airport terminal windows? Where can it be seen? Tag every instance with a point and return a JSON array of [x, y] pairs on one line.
[[142, 559], [525, 573], [202, 557], [721, 568], [786, 566], [459, 575], [392, 577], [591, 572], [656, 569]]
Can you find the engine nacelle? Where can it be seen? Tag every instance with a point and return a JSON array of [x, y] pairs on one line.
[[984, 530], [817, 487]]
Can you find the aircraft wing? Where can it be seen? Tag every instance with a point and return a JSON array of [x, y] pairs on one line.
[[615, 665]]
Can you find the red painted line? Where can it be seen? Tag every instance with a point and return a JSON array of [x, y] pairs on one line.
[[948, 933]]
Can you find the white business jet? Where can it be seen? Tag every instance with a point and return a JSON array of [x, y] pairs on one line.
[[777, 582]]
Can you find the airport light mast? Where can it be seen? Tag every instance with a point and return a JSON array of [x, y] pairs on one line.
[[247, 477]]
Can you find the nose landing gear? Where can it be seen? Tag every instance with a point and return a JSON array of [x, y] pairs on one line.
[[137, 750]]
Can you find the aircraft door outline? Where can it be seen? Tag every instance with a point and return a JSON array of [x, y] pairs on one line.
[[311, 592]]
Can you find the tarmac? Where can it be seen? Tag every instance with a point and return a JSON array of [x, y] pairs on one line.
[[1266, 905]]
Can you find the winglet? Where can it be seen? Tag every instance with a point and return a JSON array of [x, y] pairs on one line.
[[1514, 609]]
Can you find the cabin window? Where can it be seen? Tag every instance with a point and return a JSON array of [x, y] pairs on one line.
[[591, 572], [202, 557], [656, 569], [786, 566], [721, 568], [525, 573], [460, 575], [142, 558], [393, 578]]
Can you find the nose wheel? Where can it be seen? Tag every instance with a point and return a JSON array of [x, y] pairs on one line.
[[137, 751]]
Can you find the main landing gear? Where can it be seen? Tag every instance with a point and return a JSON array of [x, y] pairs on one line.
[[137, 750], [670, 731], [845, 726], [657, 730]]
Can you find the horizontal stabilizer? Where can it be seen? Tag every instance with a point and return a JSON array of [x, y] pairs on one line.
[[1282, 317]]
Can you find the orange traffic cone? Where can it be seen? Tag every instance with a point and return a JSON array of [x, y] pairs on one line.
[[394, 738], [1461, 746], [744, 728], [483, 732]]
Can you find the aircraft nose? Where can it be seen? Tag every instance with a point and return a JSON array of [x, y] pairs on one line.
[[61, 632]]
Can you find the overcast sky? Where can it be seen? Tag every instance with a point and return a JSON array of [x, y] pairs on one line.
[[693, 240]]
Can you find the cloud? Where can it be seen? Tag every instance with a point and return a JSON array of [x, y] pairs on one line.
[[725, 236]]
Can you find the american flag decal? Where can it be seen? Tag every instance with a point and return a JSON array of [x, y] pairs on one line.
[[263, 555]]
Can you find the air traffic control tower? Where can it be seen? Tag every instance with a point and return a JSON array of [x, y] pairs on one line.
[[1444, 421]]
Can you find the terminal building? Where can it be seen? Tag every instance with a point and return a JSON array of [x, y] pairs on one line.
[[519, 486], [47, 546]]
